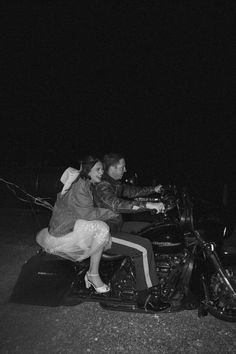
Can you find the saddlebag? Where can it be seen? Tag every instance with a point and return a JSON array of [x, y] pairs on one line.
[[45, 280]]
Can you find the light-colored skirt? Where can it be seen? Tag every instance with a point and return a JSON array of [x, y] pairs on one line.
[[86, 239]]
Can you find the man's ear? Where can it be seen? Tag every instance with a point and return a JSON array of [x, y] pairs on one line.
[[112, 168]]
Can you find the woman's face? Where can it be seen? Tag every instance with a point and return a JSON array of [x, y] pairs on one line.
[[96, 172]]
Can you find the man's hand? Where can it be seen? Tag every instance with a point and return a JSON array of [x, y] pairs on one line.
[[158, 188], [159, 207]]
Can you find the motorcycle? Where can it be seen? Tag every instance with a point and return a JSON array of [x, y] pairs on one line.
[[193, 271]]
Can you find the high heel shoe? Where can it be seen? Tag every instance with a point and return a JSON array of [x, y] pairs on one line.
[[101, 289]]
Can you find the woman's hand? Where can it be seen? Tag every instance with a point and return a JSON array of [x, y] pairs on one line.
[[159, 207]]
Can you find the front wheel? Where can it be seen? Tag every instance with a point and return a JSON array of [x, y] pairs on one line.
[[220, 302]]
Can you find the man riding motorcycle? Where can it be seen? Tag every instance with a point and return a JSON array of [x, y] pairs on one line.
[[110, 193]]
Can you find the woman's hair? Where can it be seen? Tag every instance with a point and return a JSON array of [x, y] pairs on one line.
[[87, 165], [111, 159]]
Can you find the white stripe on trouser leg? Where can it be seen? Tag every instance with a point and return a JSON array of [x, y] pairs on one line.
[[144, 253]]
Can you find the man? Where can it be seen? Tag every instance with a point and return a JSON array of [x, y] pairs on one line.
[[110, 193]]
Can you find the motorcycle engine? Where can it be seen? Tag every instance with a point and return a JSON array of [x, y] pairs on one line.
[[169, 270], [171, 256]]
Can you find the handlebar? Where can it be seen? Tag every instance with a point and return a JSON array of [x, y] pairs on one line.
[[169, 203], [148, 199]]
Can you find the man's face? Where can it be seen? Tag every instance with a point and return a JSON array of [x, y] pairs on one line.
[[118, 170]]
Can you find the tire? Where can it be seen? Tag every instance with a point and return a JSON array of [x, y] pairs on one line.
[[221, 304]]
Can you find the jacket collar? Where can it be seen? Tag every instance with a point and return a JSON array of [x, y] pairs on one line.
[[108, 178]]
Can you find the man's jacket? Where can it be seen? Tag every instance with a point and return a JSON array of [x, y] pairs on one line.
[[114, 195]]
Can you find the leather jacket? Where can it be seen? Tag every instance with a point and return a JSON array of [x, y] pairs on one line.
[[116, 196]]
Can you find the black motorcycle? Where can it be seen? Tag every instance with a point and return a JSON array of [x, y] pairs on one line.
[[192, 269]]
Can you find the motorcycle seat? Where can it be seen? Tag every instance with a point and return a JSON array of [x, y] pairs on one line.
[[112, 257]]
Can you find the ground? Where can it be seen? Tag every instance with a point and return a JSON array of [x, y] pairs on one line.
[[87, 328]]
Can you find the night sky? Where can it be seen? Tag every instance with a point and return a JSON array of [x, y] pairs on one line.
[[152, 79]]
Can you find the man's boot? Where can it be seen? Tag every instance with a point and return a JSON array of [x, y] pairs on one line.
[[148, 301]]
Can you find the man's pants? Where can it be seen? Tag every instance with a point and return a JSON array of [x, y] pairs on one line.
[[141, 252]]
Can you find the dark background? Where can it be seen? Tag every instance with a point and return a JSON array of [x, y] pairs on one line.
[[152, 79]]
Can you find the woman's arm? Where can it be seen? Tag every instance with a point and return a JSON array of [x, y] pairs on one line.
[[84, 204]]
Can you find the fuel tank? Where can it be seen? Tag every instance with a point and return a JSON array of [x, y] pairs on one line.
[[165, 238]]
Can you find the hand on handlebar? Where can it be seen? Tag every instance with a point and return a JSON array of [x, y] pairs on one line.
[[159, 207], [159, 188]]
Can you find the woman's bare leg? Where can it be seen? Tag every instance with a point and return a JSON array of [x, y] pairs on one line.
[[94, 268], [97, 247]]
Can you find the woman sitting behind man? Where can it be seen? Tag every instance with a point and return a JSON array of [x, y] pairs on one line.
[[76, 229]]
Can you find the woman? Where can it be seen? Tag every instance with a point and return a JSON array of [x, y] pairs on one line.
[[76, 229]]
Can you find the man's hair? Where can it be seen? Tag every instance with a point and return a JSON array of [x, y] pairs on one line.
[[111, 159], [87, 164]]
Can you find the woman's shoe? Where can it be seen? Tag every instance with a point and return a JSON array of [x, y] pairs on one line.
[[101, 289]]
